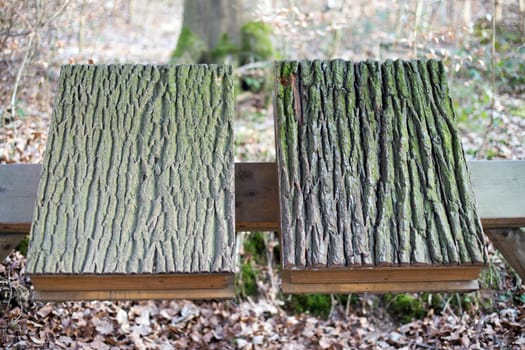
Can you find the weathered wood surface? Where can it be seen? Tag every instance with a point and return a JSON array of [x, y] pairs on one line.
[[256, 197], [511, 243], [129, 282], [386, 274], [138, 173], [499, 188], [371, 168], [382, 279], [144, 286], [382, 287], [18, 187], [141, 293]]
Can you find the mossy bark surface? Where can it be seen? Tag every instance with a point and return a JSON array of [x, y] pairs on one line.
[[371, 168], [138, 173]]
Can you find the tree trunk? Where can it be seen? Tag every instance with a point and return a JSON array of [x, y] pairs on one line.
[[214, 31], [371, 167], [210, 19]]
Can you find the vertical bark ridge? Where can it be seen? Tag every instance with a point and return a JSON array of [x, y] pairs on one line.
[[444, 163], [388, 218], [311, 78], [342, 239], [427, 136], [422, 172], [400, 147], [330, 166], [368, 157], [471, 225], [138, 173], [360, 238], [381, 171], [378, 155], [297, 168]]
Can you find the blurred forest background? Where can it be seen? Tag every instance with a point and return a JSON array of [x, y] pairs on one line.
[[482, 43]]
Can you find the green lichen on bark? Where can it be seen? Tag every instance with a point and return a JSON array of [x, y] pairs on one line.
[[138, 173], [371, 167]]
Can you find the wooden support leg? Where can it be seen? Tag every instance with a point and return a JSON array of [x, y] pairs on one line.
[[511, 243], [8, 242]]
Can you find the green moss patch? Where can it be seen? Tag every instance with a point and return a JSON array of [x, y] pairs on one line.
[[190, 48]]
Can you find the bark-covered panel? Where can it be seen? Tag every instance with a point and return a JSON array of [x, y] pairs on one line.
[[371, 167], [138, 172]]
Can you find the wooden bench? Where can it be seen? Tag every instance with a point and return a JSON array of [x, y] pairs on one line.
[[173, 95]]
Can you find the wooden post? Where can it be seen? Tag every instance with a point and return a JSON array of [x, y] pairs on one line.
[[511, 243]]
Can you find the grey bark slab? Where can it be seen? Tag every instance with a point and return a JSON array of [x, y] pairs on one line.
[[138, 173], [371, 168]]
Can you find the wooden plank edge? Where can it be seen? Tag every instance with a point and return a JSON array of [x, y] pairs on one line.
[[385, 274], [393, 287], [256, 226], [502, 222], [15, 227], [159, 282], [143, 294]]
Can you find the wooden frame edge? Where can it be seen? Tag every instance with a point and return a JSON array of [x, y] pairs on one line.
[[145, 294], [395, 287]]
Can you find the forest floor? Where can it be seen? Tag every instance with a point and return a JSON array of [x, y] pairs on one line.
[[493, 317]]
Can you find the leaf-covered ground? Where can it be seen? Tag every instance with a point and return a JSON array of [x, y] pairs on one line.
[[494, 317]]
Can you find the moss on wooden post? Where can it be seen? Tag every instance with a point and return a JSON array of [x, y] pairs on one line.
[[371, 167]]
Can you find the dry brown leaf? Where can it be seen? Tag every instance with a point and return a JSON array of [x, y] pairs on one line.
[[181, 343], [122, 317], [45, 310], [465, 341], [37, 341], [324, 343], [103, 326], [141, 330]]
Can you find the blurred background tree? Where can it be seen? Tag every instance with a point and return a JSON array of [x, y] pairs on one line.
[[227, 32], [223, 31]]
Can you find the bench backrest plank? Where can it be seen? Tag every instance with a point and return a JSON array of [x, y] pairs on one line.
[[499, 186], [18, 187]]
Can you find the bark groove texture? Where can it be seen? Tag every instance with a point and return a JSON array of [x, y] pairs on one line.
[[138, 173], [371, 168]]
